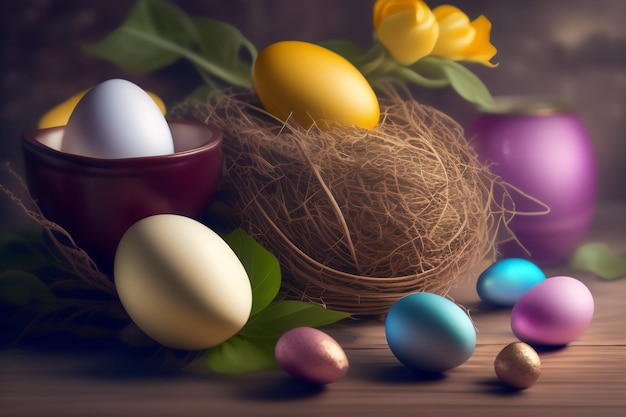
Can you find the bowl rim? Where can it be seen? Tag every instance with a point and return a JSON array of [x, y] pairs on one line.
[[214, 142]]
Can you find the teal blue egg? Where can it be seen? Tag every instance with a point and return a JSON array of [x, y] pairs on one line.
[[506, 280], [428, 332]]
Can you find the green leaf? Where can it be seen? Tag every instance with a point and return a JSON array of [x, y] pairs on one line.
[[222, 44], [262, 267], [281, 316], [406, 74], [598, 258], [19, 287], [252, 349], [431, 69], [240, 355], [155, 34], [25, 251], [466, 84]]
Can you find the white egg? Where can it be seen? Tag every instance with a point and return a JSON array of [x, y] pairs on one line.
[[117, 119], [181, 283]]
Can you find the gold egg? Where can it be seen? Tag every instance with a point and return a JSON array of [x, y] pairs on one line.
[[313, 84], [518, 365]]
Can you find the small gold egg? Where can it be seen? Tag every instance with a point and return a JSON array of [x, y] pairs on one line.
[[518, 365]]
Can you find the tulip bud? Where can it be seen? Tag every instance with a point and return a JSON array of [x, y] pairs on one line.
[[406, 28]]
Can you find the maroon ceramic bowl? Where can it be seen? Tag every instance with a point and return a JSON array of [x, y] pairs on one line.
[[97, 200]]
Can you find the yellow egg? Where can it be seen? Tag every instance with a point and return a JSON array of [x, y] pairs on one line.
[[60, 114], [313, 84]]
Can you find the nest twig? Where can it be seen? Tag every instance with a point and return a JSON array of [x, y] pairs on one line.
[[359, 218], [70, 256]]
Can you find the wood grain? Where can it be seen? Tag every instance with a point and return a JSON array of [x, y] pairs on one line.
[[586, 378]]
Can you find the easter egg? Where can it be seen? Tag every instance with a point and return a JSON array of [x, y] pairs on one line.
[[117, 119], [181, 283], [311, 355], [60, 114], [428, 332], [312, 84], [518, 365], [554, 312], [506, 280]]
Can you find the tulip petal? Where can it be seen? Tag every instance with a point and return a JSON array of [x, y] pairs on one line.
[[450, 17], [406, 38], [455, 32], [462, 40], [482, 51], [384, 8]]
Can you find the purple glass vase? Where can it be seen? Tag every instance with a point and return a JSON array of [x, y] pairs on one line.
[[544, 150]]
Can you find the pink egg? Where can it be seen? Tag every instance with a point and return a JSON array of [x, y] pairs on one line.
[[311, 355], [554, 312]]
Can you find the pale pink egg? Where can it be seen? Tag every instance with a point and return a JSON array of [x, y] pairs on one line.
[[554, 312], [311, 355]]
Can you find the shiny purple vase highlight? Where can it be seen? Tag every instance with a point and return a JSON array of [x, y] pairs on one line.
[[545, 151]]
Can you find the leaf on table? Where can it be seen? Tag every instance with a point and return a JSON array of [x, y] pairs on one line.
[[284, 315], [240, 355], [261, 266], [252, 349], [598, 259]]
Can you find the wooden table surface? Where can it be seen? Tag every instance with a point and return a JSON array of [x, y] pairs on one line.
[[586, 378]]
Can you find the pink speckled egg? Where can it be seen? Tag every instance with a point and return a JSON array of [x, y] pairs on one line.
[[554, 312], [311, 355]]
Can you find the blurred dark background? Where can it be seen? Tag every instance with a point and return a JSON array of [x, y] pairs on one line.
[[571, 50]]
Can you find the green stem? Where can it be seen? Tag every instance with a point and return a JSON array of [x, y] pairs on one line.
[[207, 79], [408, 74], [377, 64], [193, 57], [373, 59]]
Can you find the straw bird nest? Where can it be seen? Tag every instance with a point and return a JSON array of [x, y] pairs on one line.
[[357, 218]]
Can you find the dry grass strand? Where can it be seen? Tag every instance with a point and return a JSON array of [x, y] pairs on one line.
[[358, 218]]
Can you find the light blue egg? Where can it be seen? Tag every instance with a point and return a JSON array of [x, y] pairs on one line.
[[506, 280], [427, 332]]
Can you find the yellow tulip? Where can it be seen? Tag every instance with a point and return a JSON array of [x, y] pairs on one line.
[[406, 28], [462, 40], [60, 114]]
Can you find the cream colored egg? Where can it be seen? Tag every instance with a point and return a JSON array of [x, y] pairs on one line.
[[181, 283]]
